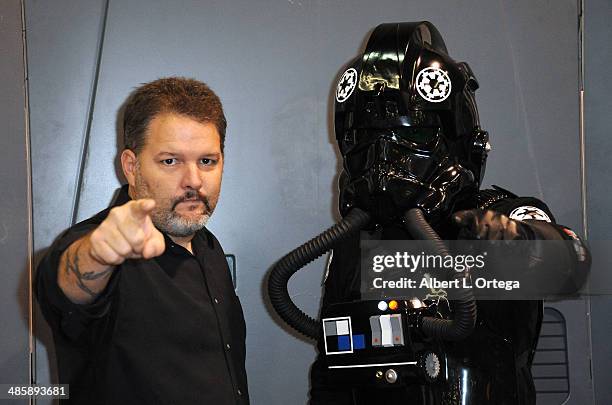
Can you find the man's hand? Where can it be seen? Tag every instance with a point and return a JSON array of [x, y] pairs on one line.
[[488, 225], [127, 233]]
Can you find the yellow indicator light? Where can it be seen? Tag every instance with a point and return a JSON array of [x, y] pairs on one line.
[[393, 305]]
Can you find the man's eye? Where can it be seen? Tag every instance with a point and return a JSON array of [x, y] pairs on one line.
[[208, 162], [169, 161]]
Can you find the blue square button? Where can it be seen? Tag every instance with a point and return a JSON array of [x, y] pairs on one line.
[[358, 342], [344, 343]]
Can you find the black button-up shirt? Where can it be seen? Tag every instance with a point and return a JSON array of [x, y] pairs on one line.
[[168, 330]]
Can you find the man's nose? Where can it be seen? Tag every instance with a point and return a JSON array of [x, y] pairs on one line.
[[192, 177]]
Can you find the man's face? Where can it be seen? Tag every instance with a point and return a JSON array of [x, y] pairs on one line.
[[180, 167]]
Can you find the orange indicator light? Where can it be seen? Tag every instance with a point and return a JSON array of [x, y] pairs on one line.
[[393, 305]]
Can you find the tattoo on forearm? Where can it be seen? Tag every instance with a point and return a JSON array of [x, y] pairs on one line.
[[72, 265], [90, 275]]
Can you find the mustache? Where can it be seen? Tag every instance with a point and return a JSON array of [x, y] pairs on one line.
[[192, 195]]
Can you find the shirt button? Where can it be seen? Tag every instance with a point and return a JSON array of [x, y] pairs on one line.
[[227, 346], [216, 301]]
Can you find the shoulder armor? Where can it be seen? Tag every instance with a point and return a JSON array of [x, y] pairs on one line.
[[486, 198]]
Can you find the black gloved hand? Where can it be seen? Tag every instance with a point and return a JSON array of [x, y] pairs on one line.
[[489, 225]]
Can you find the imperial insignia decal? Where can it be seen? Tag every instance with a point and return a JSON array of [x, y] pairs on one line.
[[433, 84], [529, 212], [346, 85]]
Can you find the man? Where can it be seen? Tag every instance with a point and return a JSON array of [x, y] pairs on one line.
[[139, 297]]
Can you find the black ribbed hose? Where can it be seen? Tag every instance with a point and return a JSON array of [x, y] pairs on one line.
[[464, 317], [282, 271]]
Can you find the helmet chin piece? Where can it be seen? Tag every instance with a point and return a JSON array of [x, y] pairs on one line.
[[407, 125], [387, 193], [444, 190]]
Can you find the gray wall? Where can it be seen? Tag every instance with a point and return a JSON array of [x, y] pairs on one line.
[[598, 130], [274, 65], [14, 213]]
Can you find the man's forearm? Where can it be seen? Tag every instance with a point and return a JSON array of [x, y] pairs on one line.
[[79, 275], [126, 233]]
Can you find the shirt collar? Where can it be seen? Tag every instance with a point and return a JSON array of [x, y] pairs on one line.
[[122, 196]]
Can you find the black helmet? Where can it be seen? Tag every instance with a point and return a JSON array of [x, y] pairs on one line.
[[407, 125]]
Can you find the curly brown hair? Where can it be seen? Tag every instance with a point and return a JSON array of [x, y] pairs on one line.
[[177, 95]]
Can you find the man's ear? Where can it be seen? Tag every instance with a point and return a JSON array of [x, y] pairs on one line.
[[128, 164]]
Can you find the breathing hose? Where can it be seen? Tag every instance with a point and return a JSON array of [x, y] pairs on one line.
[[465, 306], [465, 313], [282, 271]]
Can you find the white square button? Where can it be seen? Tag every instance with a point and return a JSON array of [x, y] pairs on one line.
[[342, 327]]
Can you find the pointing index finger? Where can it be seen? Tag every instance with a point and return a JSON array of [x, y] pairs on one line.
[[141, 208]]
